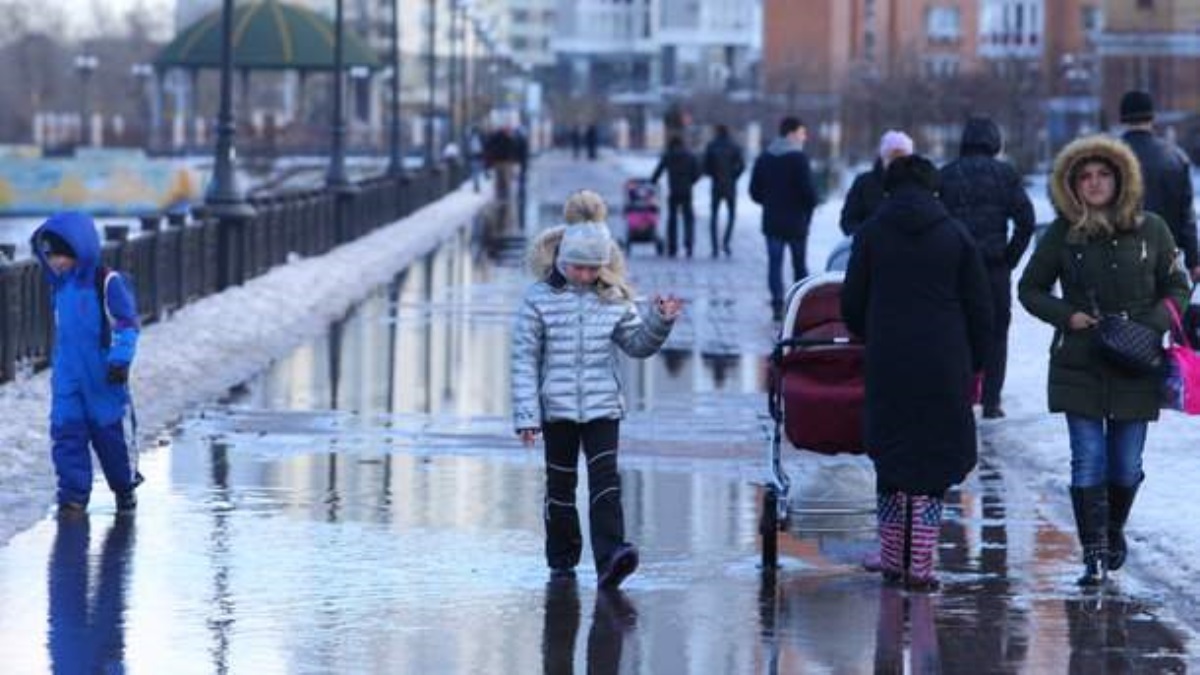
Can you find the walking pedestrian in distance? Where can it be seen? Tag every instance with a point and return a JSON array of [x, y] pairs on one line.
[[683, 170], [781, 182], [724, 163]]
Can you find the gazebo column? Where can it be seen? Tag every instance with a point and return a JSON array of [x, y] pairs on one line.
[[245, 106], [192, 118]]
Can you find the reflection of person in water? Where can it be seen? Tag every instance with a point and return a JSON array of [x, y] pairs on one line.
[[923, 654], [1117, 635], [84, 639], [612, 617]]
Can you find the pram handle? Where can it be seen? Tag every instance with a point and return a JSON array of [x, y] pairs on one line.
[[792, 342]]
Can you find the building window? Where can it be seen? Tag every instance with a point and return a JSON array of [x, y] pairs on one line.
[[1091, 19], [943, 24], [1146, 4]]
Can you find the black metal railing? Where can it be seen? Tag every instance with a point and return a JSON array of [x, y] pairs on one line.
[[176, 259]]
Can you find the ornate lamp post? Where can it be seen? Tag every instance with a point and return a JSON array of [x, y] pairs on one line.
[[224, 197], [431, 56], [396, 163], [335, 177], [85, 65]]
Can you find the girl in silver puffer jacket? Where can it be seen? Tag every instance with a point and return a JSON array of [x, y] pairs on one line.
[[565, 383]]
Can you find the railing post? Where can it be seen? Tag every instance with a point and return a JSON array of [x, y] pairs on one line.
[[10, 317]]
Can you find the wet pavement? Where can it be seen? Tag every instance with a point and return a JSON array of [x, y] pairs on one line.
[[362, 507]]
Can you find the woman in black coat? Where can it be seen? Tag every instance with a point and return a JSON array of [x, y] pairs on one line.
[[916, 291]]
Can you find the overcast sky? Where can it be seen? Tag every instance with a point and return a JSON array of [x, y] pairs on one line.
[[79, 12]]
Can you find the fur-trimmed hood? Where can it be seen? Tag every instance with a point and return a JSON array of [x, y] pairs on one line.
[[544, 250], [1126, 212]]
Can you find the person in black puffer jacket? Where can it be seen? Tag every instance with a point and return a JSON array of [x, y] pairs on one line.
[[683, 170], [985, 193]]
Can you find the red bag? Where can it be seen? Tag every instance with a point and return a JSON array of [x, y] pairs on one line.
[[1181, 388]]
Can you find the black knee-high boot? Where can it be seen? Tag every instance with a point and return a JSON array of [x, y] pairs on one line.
[[1091, 522], [1120, 501]]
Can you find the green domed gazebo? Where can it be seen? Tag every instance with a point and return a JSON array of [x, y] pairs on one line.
[[271, 37], [267, 35]]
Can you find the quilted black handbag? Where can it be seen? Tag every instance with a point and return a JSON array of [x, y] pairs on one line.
[[1129, 345], [1121, 342]]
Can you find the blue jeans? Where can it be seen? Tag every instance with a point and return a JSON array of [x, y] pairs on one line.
[[1105, 451], [798, 247]]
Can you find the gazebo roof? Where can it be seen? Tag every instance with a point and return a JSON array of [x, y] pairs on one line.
[[267, 35]]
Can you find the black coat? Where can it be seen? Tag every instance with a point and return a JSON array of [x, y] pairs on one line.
[[724, 163], [781, 182], [865, 195], [916, 291], [985, 193], [1168, 182], [682, 169]]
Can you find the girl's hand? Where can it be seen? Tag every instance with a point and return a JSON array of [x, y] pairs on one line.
[[1081, 321], [669, 307], [528, 436]]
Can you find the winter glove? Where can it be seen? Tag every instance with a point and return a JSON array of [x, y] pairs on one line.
[[118, 373]]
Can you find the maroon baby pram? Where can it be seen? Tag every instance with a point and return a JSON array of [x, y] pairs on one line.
[[816, 394]]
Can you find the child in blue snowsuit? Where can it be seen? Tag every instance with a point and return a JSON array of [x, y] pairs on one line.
[[95, 339]]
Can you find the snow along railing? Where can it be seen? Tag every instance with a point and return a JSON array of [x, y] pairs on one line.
[[177, 261]]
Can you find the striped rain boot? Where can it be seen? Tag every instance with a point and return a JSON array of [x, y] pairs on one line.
[[890, 515], [924, 526]]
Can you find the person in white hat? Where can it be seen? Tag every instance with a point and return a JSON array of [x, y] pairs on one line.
[[866, 192]]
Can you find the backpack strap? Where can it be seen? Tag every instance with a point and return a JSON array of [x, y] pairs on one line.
[[104, 276]]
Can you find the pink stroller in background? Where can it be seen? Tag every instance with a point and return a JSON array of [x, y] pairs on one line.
[[641, 214], [815, 398]]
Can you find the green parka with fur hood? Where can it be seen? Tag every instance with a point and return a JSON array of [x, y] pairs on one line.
[[1127, 257], [564, 360]]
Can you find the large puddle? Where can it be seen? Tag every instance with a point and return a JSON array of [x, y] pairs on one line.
[[363, 507]]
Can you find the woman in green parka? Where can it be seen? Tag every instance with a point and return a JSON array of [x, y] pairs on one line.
[[1106, 253]]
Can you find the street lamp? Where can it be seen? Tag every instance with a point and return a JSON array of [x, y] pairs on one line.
[[430, 152], [85, 65], [224, 197], [335, 177], [396, 163]]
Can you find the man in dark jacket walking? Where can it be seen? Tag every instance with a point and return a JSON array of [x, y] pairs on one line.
[[781, 182], [1166, 173], [723, 163], [683, 170], [985, 193]]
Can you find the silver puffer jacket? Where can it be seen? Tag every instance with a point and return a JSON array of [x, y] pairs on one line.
[[564, 350]]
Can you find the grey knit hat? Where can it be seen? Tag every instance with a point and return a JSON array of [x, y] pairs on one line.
[[585, 244]]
